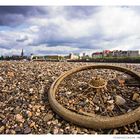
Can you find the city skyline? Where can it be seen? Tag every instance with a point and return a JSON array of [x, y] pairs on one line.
[[68, 29]]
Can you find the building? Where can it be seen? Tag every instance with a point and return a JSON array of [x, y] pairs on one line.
[[37, 58], [133, 53], [53, 57], [106, 53], [46, 58], [97, 55], [129, 53], [73, 56]]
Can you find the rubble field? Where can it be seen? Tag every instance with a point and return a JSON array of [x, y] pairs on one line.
[[24, 105]]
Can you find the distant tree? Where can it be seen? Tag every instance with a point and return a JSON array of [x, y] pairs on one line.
[[2, 58]]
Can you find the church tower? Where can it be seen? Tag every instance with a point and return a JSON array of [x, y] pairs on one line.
[[22, 54]]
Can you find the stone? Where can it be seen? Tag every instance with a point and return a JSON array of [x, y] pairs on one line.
[[32, 125], [7, 131], [138, 100], [61, 131], [17, 129], [47, 117], [93, 132], [136, 128], [110, 101], [115, 131], [1, 79], [110, 107], [30, 106], [10, 74], [2, 129], [4, 121], [42, 108], [27, 130], [135, 96], [31, 90], [29, 113], [2, 116], [80, 89], [67, 128], [104, 99], [82, 104], [97, 108], [37, 114], [68, 92], [109, 97], [55, 122], [49, 122], [129, 110], [19, 118], [55, 131], [120, 100], [13, 132]]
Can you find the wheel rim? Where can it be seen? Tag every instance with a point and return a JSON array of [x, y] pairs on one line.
[[96, 121]]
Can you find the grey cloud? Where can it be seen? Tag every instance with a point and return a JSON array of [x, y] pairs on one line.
[[81, 11], [23, 10], [16, 15], [5, 47]]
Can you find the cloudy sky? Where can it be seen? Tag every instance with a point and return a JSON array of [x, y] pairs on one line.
[[69, 29]]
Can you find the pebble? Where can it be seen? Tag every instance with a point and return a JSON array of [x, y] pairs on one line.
[[135, 96], [7, 131], [61, 131], [13, 132], [17, 129], [2, 129], [115, 131], [1, 79], [93, 132], [110, 107], [32, 124], [97, 108], [27, 130], [136, 128], [129, 110], [119, 100], [29, 113], [105, 99], [47, 117], [68, 92], [41, 91], [19, 118], [49, 122], [55, 131], [31, 90], [110, 101], [82, 103], [67, 128], [37, 114], [30, 106], [138, 100], [42, 108], [2, 116]]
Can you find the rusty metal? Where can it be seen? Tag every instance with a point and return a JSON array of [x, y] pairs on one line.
[[94, 121]]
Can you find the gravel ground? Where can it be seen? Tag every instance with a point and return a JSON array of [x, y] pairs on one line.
[[24, 106]]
